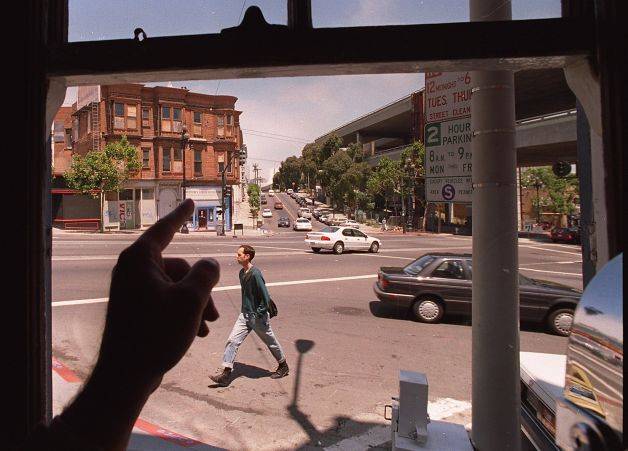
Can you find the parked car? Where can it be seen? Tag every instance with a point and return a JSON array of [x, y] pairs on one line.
[[574, 401], [262, 199], [302, 224], [350, 223], [566, 235], [278, 205], [437, 284], [283, 222], [289, 191], [266, 213], [305, 213], [339, 239]]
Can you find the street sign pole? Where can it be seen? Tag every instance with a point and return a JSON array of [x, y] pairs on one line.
[[495, 295]]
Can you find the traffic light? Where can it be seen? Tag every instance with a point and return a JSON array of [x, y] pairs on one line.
[[242, 156]]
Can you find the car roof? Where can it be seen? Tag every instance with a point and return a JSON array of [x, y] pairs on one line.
[[448, 255]]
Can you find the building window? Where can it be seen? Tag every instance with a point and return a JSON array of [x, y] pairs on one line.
[[176, 120], [145, 157], [68, 138], [166, 124], [148, 194], [145, 117], [131, 120], [197, 123], [177, 153], [118, 115], [198, 163], [58, 132], [221, 126], [229, 119], [166, 160], [126, 194]]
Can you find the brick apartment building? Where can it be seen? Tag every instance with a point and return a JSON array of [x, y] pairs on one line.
[[152, 118]]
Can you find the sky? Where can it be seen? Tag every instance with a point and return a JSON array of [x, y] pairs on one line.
[[280, 115]]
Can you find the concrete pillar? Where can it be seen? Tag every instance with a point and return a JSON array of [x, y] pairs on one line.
[[495, 306]]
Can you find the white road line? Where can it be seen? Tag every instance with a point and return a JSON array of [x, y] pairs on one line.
[[282, 248], [550, 250], [230, 288], [552, 263], [552, 272], [412, 249]]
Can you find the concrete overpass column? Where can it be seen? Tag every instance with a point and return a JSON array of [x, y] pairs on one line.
[[495, 306]]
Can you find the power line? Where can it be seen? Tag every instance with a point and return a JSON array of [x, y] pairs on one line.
[[274, 134], [276, 138]]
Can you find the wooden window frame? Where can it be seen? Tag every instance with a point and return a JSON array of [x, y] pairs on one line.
[[145, 158], [125, 117], [198, 163], [167, 152]]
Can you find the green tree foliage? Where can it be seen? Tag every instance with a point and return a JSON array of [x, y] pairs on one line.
[[253, 192], [557, 194], [329, 148], [334, 170], [290, 172], [103, 171]]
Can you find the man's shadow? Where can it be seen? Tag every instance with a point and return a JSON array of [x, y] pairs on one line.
[[246, 371]]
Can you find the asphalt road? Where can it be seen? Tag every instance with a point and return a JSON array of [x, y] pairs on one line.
[[358, 348]]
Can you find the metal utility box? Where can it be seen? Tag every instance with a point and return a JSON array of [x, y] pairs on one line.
[[409, 412]]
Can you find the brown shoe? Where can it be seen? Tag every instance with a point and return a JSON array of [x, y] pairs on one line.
[[222, 377], [281, 371]]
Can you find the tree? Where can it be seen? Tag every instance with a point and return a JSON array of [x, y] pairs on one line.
[[329, 148], [334, 169], [558, 193], [413, 162], [103, 171], [355, 152], [253, 192]]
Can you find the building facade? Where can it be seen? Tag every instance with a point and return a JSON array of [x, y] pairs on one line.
[[173, 168]]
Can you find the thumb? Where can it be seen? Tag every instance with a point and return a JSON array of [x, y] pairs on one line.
[[199, 281]]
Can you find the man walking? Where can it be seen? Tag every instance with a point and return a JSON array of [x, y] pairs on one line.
[[253, 316]]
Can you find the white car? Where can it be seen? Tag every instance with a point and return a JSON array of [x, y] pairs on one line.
[[302, 224], [305, 213], [266, 213], [339, 239], [289, 191], [271, 193], [350, 223]]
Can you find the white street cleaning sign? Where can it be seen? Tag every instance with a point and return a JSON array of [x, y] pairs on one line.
[[448, 137]]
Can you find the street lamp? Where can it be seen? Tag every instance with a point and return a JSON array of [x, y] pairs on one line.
[[185, 137], [538, 185], [223, 175]]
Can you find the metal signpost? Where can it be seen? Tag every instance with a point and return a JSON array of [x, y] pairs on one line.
[[448, 137]]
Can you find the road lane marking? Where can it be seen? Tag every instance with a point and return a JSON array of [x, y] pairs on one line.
[[230, 288], [551, 272], [552, 263], [550, 250]]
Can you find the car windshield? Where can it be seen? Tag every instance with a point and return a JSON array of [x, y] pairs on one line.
[[329, 229], [417, 266]]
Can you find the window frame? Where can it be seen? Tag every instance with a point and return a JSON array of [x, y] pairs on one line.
[[167, 152]]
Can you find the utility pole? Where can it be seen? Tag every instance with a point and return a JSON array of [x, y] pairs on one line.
[[256, 172], [495, 293]]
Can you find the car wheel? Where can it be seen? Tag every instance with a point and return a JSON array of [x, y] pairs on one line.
[[339, 248], [316, 250], [560, 321], [428, 310], [374, 247]]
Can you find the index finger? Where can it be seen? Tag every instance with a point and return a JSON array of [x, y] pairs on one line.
[[159, 235]]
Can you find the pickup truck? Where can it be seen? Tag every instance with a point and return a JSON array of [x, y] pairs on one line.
[[575, 401]]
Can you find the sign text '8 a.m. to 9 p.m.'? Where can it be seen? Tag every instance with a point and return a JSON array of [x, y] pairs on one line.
[[448, 137]]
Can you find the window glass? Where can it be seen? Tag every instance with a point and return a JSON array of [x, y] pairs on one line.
[[329, 229], [166, 162], [417, 266], [165, 112], [177, 114], [177, 153], [358, 233], [131, 111], [145, 157], [148, 194], [145, 113], [118, 109], [197, 117], [347, 232], [449, 269], [126, 194]]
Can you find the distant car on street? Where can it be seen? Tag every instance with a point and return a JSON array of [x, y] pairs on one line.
[[565, 235], [305, 212], [262, 199], [271, 193], [283, 222], [437, 284], [339, 239], [278, 206], [289, 191], [302, 224], [266, 213], [350, 223]]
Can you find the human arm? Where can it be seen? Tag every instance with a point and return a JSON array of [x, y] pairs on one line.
[[157, 306]]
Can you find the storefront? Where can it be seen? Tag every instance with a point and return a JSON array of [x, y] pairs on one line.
[[207, 210], [130, 208]]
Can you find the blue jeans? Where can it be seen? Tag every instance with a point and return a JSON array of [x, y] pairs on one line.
[[243, 326]]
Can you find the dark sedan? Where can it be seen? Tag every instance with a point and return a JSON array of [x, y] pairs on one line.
[[566, 235], [283, 222], [436, 284]]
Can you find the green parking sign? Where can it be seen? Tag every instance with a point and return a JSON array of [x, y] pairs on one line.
[[432, 135]]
